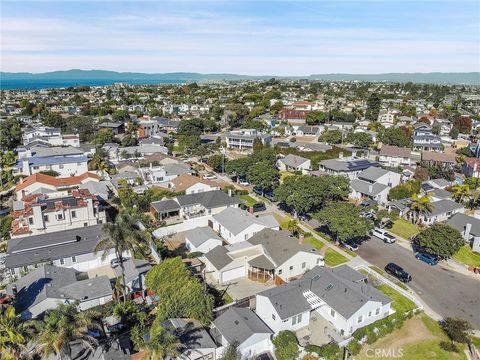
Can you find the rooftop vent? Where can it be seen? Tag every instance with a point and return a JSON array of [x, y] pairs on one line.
[[329, 287]]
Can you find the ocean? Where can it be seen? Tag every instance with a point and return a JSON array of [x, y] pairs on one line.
[[36, 84]]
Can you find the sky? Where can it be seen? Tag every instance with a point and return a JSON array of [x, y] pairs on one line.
[[244, 37]]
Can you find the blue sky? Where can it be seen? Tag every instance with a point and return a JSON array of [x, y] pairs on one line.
[[244, 37]]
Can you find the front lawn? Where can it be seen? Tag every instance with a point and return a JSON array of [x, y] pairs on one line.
[[404, 228], [282, 220], [285, 174], [248, 200], [467, 256], [334, 258], [317, 244], [400, 303]]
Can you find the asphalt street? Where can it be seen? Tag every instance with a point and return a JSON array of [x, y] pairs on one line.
[[445, 291]]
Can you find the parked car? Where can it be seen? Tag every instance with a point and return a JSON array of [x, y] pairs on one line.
[[427, 258], [257, 190], [260, 206], [350, 245], [209, 176], [243, 181], [398, 272], [383, 235], [116, 262], [303, 217]]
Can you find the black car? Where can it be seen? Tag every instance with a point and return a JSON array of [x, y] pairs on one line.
[[259, 207], [398, 272]]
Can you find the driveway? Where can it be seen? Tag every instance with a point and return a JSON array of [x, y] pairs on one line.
[[242, 287], [446, 292]]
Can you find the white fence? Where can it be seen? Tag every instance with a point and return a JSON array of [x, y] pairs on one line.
[[183, 226], [383, 279]]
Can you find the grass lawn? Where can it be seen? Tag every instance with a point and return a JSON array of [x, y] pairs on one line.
[[404, 228], [333, 258], [467, 256], [282, 220], [227, 298], [285, 174], [248, 200], [377, 269], [317, 244], [400, 302]]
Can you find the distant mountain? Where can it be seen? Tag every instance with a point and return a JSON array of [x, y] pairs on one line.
[[472, 78]]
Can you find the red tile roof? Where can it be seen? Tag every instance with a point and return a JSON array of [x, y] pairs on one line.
[[57, 182]]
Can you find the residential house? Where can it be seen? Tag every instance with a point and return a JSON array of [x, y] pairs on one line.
[[167, 124], [340, 295], [346, 167], [306, 130], [374, 183], [469, 227], [394, 156], [427, 143], [293, 116], [147, 128], [49, 136], [243, 328], [236, 225], [446, 159], [244, 139], [192, 184], [116, 127], [73, 248], [269, 255], [49, 286], [202, 239], [471, 167], [135, 271], [294, 163], [45, 184], [39, 214], [441, 210]]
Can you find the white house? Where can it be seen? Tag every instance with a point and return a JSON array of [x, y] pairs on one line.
[[49, 286], [236, 225], [241, 326], [394, 156], [49, 136], [374, 183], [192, 184], [469, 227], [346, 167], [201, 239], [266, 256], [244, 139], [340, 295], [441, 210], [294, 163]]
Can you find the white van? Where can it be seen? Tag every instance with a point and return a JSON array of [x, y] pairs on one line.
[[383, 235]]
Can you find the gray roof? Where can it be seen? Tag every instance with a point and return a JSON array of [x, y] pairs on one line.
[[52, 282], [348, 165], [460, 221], [293, 160], [177, 169], [165, 205], [190, 333], [55, 151], [218, 256], [200, 235], [133, 269], [237, 220], [440, 182], [239, 324], [367, 188], [372, 173], [278, 245], [341, 288], [45, 247], [441, 194], [208, 199], [262, 262], [444, 206]]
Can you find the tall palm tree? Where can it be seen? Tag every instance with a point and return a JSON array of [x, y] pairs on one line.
[[419, 206], [61, 326], [123, 236], [12, 334], [160, 344], [293, 227], [461, 192]]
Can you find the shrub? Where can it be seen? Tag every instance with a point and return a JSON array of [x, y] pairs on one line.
[[329, 351], [286, 345], [359, 334], [456, 329], [448, 346], [354, 347]]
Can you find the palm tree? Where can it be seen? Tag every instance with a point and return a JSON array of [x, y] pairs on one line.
[[293, 227], [123, 236], [61, 326], [159, 344], [461, 192], [419, 206], [12, 334]]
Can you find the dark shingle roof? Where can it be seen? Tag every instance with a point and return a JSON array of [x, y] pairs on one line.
[[218, 257], [208, 199]]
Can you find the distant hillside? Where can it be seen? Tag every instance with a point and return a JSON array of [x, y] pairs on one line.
[[472, 78]]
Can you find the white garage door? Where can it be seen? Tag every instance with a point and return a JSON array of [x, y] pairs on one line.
[[233, 274]]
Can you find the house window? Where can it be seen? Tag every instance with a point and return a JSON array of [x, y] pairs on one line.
[[45, 218], [294, 320], [36, 168], [79, 164], [59, 216], [332, 313], [74, 259], [30, 221], [299, 318], [369, 313], [304, 265], [62, 261], [246, 236], [74, 214], [60, 166], [291, 268], [273, 317], [280, 272], [85, 224], [377, 311], [360, 319]]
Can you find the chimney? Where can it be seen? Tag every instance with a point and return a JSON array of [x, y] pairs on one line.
[[250, 210], [370, 188], [301, 237], [90, 212], [468, 228], [38, 216]]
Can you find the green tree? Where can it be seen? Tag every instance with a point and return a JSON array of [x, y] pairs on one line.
[[50, 173], [456, 329], [61, 326], [418, 207], [331, 137], [123, 236], [158, 345], [374, 104], [84, 126], [120, 115], [344, 221], [12, 334], [104, 136], [316, 117], [216, 162], [264, 175], [405, 190], [440, 239], [182, 294], [454, 132], [461, 193], [54, 119], [360, 139], [286, 345], [231, 353], [10, 134], [396, 137]]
